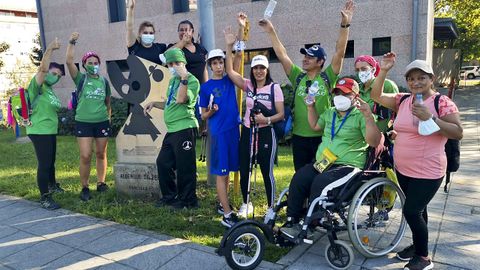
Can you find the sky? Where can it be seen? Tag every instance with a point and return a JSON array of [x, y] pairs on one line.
[[25, 5]]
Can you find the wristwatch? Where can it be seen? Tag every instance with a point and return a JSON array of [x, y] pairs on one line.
[[184, 82], [269, 120], [434, 118]]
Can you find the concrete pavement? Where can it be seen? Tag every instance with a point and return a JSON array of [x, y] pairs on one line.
[[34, 238]]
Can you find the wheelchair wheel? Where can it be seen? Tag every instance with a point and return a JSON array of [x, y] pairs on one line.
[[339, 255], [375, 221], [245, 248]]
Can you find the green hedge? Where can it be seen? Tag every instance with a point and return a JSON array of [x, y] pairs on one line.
[[66, 123]]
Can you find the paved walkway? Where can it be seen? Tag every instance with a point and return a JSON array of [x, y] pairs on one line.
[[34, 238]]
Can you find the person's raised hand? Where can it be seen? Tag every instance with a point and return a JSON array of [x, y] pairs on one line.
[[230, 37], [347, 12], [363, 107], [242, 19], [388, 61], [181, 70], [54, 45], [266, 25], [74, 36], [130, 4]]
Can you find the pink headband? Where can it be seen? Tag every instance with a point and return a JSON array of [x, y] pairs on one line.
[[371, 61], [88, 55]]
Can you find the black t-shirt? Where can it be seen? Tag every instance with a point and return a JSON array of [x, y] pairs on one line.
[[151, 54], [195, 61]]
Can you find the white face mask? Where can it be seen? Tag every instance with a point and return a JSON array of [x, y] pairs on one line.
[[172, 71], [147, 39], [342, 103], [365, 76]]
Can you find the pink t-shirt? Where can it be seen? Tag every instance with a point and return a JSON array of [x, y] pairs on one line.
[[415, 155], [263, 96]]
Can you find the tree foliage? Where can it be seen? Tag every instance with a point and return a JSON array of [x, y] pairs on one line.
[[36, 54], [3, 48], [467, 17]]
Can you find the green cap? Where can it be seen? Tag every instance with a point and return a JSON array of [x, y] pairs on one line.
[[175, 55]]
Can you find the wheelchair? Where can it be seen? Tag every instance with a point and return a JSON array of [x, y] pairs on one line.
[[369, 206]]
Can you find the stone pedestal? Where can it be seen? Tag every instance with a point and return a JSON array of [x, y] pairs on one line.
[[140, 139]]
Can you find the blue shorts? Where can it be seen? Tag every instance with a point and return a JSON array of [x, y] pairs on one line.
[[224, 152]]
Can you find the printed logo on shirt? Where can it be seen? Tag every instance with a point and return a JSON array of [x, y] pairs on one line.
[[98, 93], [187, 145], [265, 97]]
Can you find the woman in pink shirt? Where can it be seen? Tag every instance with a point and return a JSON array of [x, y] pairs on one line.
[[420, 160], [260, 92]]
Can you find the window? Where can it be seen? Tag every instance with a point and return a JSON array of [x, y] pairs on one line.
[[268, 52], [116, 10], [180, 6], [349, 52], [381, 46]]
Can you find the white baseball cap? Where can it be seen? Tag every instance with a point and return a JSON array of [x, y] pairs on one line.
[[419, 64], [259, 60], [215, 53]]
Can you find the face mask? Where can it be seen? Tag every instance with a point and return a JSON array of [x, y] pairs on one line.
[[365, 76], [147, 39], [172, 71], [51, 79], [342, 103], [93, 70]]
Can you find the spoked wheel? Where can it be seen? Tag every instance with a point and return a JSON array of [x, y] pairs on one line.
[[339, 255], [375, 221], [244, 248]]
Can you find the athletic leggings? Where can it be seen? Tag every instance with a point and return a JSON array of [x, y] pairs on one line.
[[45, 150], [418, 193], [267, 147]]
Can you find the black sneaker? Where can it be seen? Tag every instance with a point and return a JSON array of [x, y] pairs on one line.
[[85, 194], [230, 220], [291, 228], [407, 253], [48, 203], [178, 205], [55, 188], [220, 208], [418, 263], [102, 187]]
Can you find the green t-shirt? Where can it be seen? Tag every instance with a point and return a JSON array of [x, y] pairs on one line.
[[45, 107], [322, 100], [349, 143], [181, 116], [388, 87], [91, 107]]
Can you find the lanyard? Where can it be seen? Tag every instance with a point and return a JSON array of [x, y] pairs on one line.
[[333, 133]]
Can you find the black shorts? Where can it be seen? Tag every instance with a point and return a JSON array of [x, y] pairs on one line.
[[95, 130]]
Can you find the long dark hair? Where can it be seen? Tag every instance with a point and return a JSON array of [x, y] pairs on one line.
[[268, 79]]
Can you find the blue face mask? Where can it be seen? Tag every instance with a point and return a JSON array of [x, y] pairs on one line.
[[147, 39]]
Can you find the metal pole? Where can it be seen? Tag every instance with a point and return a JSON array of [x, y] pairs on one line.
[[207, 34], [40, 24], [413, 53]]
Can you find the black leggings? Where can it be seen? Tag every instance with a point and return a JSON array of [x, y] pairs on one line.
[[309, 183], [267, 147], [304, 150], [418, 193], [45, 150]]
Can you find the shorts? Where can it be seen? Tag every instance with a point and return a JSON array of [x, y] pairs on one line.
[[224, 152], [95, 130]]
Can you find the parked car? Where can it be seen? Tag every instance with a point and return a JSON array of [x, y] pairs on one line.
[[470, 72]]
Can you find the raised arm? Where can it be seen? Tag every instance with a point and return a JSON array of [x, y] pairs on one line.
[[337, 60], [43, 69], [372, 133], [72, 69], [242, 22], [131, 36], [313, 117], [236, 78], [377, 94], [278, 47]]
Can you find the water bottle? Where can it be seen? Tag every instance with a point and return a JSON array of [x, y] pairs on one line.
[[312, 92], [269, 10], [419, 98]]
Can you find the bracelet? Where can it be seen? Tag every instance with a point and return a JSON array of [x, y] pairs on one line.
[[239, 45], [269, 120], [73, 42], [433, 118], [345, 26]]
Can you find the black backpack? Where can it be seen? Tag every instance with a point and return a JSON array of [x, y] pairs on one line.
[[452, 147]]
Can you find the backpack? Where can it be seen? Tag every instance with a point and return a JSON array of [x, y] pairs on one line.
[[72, 105], [20, 108], [452, 147], [288, 109]]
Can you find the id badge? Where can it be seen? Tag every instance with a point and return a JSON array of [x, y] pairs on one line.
[[326, 160]]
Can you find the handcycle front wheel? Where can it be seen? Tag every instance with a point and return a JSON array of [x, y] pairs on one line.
[[244, 248]]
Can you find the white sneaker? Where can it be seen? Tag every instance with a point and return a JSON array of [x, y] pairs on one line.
[[242, 212], [269, 215]]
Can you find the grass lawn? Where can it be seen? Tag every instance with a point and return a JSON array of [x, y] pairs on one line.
[[202, 226]]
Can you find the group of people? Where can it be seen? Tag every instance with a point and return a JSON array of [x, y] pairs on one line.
[[363, 110]]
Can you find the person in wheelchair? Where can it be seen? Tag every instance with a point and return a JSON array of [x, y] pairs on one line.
[[348, 129]]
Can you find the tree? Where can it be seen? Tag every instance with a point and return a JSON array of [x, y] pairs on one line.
[[467, 17], [3, 47], [20, 76], [36, 54]]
